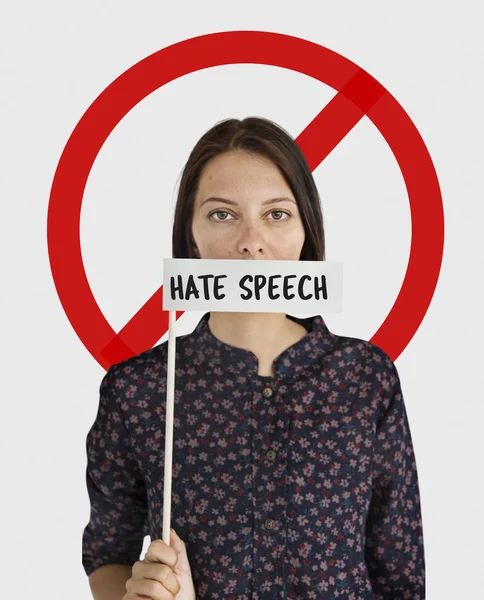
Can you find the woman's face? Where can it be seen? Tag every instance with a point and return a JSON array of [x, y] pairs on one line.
[[245, 209]]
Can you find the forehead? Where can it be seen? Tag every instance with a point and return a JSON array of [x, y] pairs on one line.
[[236, 172]]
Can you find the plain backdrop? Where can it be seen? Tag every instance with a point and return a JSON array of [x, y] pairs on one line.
[[56, 58]]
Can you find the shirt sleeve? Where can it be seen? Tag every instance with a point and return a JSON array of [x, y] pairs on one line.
[[118, 517], [394, 538]]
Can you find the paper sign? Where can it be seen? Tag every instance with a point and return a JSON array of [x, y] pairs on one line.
[[223, 285]]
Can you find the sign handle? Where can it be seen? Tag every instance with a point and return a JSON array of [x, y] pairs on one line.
[[170, 409]]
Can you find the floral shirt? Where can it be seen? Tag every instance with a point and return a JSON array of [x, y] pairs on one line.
[[298, 486]]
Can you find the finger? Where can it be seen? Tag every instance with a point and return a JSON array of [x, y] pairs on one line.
[[148, 588], [157, 572], [158, 551]]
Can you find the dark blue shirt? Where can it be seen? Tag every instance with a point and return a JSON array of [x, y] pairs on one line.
[[302, 485]]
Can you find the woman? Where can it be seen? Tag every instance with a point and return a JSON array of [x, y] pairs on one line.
[[294, 474]]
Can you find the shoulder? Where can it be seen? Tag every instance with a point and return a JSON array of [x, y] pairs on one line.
[[363, 364], [146, 366], [363, 352], [139, 365]]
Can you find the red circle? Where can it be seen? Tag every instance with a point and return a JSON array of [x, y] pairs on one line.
[[359, 94]]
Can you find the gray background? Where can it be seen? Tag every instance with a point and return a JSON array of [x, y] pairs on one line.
[[56, 58]]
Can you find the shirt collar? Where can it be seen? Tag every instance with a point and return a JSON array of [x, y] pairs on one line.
[[203, 349]]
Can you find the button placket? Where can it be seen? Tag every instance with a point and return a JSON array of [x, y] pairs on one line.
[[269, 524]]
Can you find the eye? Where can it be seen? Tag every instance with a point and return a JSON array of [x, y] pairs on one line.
[[280, 212], [219, 211]]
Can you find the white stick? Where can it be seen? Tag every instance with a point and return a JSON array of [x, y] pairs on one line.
[[170, 409]]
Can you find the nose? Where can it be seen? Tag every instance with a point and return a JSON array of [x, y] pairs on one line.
[[251, 243]]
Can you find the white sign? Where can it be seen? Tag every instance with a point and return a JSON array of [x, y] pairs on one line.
[[223, 285]]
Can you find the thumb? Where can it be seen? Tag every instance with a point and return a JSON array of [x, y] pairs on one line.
[[179, 545]]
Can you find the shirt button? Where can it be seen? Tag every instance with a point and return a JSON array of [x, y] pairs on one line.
[[271, 455], [269, 523], [267, 392]]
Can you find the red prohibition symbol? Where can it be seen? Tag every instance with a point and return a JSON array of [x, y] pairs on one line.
[[358, 94]]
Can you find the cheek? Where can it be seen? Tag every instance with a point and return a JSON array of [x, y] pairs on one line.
[[290, 249], [291, 236], [214, 244]]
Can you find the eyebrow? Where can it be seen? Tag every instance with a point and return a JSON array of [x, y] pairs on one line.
[[227, 201]]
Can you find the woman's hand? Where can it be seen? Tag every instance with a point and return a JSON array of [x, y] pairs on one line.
[[163, 574]]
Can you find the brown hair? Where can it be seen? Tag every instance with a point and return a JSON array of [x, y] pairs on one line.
[[260, 136]]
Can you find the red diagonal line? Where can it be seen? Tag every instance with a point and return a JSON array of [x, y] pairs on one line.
[[141, 332], [339, 117], [318, 139]]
